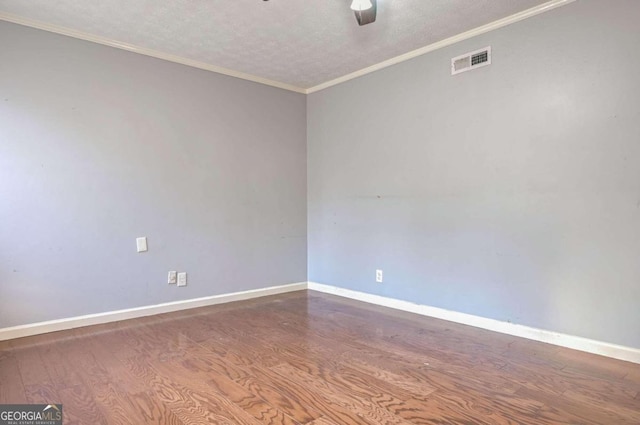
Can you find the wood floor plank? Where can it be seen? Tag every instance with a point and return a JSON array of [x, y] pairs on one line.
[[151, 410], [626, 406], [189, 405], [109, 398], [192, 372], [306, 396], [79, 406], [482, 377], [349, 379], [118, 373], [310, 358], [38, 386], [322, 421], [634, 373], [595, 365], [42, 393], [561, 409], [209, 333], [559, 381], [455, 409], [367, 410], [396, 323], [251, 403], [64, 374], [31, 367], [11, 386], [114, 404], [295, 401]]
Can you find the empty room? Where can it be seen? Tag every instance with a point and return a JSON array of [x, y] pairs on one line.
[[319, 212]]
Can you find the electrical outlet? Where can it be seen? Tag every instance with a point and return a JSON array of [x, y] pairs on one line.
[[182, 279], [173, 277], [379, 276], [141, 244]]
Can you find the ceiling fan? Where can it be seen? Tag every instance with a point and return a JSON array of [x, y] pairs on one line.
[[365, 11]]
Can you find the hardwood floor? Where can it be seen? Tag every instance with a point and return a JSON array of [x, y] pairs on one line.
[[310, 358]]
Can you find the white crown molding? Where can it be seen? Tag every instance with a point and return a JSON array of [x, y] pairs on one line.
[[569, 341], [545, 7], [144, 51], [132, 313]]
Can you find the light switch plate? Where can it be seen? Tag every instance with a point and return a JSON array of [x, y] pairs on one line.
[[172, 277], [141, 243], [182, 279]]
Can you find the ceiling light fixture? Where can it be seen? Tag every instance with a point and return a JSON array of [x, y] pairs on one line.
[[365, 11], [360, 5]]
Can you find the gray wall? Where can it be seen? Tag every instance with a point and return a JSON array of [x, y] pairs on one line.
[[99, 146], [510, 192]]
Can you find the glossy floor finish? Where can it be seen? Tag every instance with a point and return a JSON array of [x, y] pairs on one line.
[[309, 358]]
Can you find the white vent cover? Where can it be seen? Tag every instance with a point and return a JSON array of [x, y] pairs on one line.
[[471, 60]]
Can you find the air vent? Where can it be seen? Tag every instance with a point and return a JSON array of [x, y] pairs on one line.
[[471, 60]]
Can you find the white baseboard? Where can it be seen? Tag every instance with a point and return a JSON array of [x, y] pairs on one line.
[[575, 342], [132, 313]]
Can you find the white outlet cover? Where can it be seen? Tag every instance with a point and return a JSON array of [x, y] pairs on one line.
[[141, 244], [182, 279], [379, 276], [172, 277]]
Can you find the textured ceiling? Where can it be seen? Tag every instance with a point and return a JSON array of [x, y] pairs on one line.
[[297, 42]]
